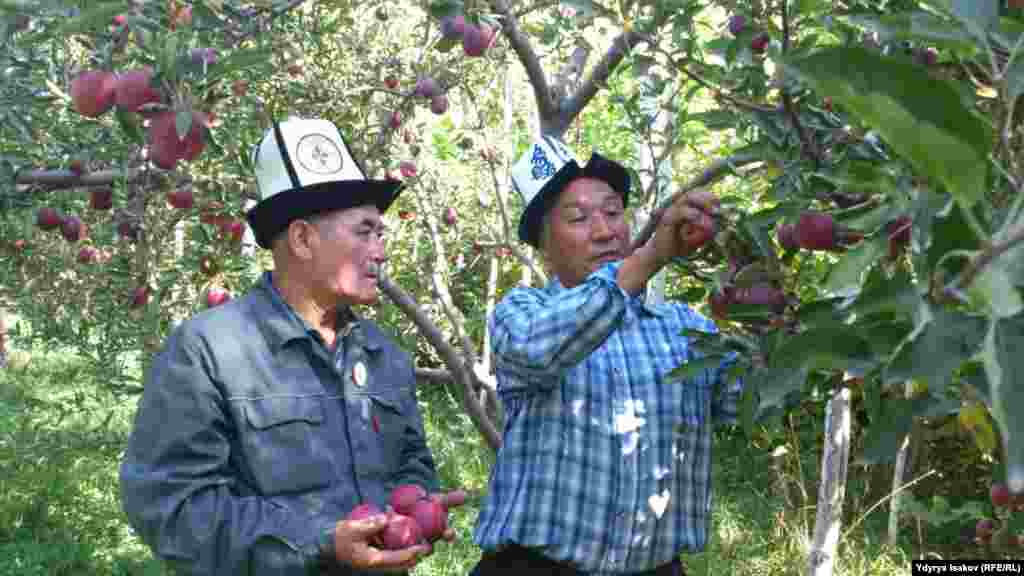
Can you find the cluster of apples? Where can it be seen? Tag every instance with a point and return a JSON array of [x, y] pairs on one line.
[[758, 44], [820, 231], [414, 516], [94, 92], [986, 528], [476, 38]]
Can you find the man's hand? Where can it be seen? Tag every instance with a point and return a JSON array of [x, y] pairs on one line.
[[685, 226], [352, 547], [450, 500]]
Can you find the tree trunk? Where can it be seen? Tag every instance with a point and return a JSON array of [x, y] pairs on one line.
[[902, 465], [3, 338], [832, 489], [655, 173]]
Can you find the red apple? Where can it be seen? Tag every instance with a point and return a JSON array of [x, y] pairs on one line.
[[88, 255], [364, 510], [432, 518], [101, 199], [128, 230], [120, 20], [401, 532], [439, 104], [761, 295], [406, 214], [134, 88], [1000, 495], [407, 168], [216, 296], [453, 499], [395, 120], [404, 496], [759, 43], [426, 87], [737, 24], [391, 83], [48, 219], [182, 17], [477, 39], [984, 529], [92, 92], [180, 199], [450, 216], [233, 229], [816, 231], [165, 147], [786, 233], [720, 302], [140, 296], [453, 27], [73, 229]]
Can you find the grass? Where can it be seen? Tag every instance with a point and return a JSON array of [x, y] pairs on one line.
[[61, 442]]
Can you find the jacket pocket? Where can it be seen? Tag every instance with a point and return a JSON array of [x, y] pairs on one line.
[[284, 444], [382, 429]]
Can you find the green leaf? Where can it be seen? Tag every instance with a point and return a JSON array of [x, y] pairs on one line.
[[950, 231], [920, 26], [884, 436], [830, 346], [921, 117], [130, 125], [183, 123], [446, 44], [820, 312], [442, 8], [883, 294], [98, 16], [252, 61], [845, 277], [945, 342], [696, 367], [994, 289], [982, 15]]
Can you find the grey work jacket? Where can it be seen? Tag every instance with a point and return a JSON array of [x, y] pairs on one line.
[[251, 439]]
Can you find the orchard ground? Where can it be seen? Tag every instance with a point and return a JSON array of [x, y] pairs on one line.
[[61, 442]]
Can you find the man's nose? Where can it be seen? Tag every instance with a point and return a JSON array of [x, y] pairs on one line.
[[602, 228]]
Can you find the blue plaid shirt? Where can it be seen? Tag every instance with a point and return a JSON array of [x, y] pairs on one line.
[[605, 463]]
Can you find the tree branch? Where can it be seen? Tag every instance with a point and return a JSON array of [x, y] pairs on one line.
[[464, 376], [528, 57], [809, 148], [68, 179], [977, 264], [714, 171], [594, 81]]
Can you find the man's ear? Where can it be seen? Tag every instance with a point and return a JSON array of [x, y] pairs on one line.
[[301, 235]]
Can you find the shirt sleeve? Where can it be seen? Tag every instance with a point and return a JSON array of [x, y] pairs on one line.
[[178, 490], [417, 465], [537, 336], [725, 405]]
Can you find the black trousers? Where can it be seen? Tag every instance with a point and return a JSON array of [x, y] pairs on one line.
[[521, 561]]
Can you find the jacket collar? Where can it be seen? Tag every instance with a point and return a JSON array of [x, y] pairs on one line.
[[280, 324]]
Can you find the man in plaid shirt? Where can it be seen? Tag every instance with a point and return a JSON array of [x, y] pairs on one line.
[[606, 465]]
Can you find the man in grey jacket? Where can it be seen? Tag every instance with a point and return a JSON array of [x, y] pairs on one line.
[[266, 420]]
